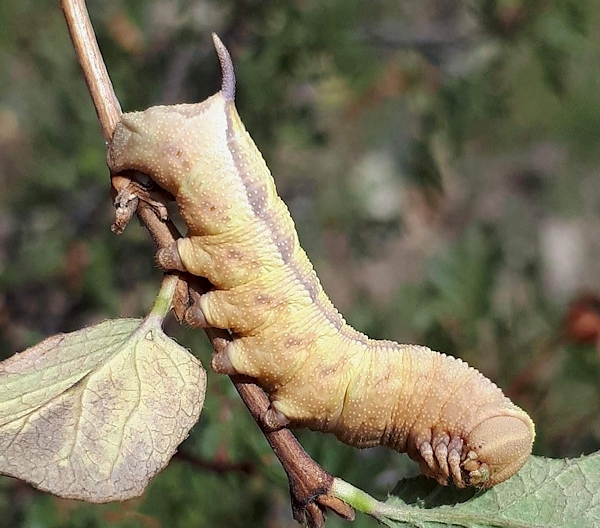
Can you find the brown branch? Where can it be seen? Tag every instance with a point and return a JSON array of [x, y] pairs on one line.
[[309, 483], [96, 77]]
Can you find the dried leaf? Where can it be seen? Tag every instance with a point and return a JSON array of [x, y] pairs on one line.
[[95, 414]]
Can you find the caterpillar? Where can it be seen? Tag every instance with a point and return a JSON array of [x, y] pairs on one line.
[[318, 371]]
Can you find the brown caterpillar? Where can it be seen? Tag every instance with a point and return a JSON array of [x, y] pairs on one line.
[[319, 372]]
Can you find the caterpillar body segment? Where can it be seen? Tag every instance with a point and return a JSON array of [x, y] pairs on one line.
[[318, 371]]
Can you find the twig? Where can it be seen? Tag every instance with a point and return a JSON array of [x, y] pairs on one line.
[[309, 483], [96, 77]]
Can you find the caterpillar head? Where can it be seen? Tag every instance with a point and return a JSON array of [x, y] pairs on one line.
[[498, 448]]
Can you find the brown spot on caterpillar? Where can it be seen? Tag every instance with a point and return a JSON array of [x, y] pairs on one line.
[[178, 154], [265, 299], [319, 372]]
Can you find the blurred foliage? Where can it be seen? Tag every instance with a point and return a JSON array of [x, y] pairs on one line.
[[439, 159]]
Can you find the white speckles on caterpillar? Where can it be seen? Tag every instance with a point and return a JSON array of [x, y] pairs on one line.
[[319, 372]]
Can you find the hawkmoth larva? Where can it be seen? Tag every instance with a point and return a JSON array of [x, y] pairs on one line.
[[319, 372]]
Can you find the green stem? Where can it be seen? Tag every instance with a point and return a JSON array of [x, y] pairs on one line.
[[358, 499], [164, 299], [363, 502]]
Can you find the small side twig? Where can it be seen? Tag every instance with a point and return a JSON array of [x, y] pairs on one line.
[[310, 485]]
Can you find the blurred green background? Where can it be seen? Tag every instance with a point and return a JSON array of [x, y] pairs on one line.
[[440, 159]]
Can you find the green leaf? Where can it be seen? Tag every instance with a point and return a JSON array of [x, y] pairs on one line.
[[95, 414], [546, 492]]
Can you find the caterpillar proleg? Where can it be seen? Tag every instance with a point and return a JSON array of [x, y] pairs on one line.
[[319, 372]]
